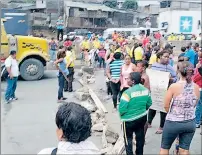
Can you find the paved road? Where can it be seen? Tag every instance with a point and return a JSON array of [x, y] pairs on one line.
[[28, 124]]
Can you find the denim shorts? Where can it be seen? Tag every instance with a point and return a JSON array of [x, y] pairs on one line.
[[184, 130]]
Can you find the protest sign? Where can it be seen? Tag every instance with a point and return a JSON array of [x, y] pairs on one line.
[[158, 85]]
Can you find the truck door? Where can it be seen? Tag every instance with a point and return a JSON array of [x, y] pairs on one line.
[[4, 43], [12, 43]]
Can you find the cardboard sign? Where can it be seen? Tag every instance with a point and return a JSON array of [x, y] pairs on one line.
[[158, 85]]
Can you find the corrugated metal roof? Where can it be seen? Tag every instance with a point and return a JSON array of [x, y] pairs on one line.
[[91, 6]]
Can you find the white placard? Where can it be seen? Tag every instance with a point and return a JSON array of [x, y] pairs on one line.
[[158, 85]]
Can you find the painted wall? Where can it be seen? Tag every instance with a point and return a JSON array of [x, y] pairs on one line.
[[181, 21]]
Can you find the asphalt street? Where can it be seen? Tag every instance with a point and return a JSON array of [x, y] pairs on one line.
[[28, 125]]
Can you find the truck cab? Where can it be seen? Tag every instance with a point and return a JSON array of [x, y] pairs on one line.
[[32, 53]]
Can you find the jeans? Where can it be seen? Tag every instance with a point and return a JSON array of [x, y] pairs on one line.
[[198, 112], [11, 87], [152, 114], [136, 126], [102, 62], [59, 32], [52, 55], [61, 81], [68, 84], [115, 92]]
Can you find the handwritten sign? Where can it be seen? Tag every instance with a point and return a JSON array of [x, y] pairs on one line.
[[158, 85]]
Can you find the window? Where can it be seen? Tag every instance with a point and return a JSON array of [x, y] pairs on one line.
[[81, 9], [165, 4]]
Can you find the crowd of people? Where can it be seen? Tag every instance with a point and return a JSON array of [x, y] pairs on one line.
[[125, 69]]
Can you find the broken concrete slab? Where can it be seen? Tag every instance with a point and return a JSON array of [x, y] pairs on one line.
[[90, 107], [104, 140], [80, 73], [94, 118], [119, 147], [111, 140], [95, 98], [111, 135], [88, 70], [97, 134], [98, 127], [107, 150], [83, 89], [100, 113], [101, 120], [81, 96]]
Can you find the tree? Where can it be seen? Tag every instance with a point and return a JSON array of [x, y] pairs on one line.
[[130, 4], [110, 3]]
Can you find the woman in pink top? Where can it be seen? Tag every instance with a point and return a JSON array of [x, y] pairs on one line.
[[126, 69], [101, 55]]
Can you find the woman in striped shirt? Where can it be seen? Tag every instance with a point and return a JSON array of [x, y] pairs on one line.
[[114, 73]]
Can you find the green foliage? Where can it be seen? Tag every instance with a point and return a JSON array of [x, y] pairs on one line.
[[130, 4], [110, 3]]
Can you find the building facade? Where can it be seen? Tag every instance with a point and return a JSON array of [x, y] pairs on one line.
[[94, 16], [180, 17]]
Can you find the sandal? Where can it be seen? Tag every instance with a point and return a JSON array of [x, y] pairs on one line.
[[149, 125], [159, 131]]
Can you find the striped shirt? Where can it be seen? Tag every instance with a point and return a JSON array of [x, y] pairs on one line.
[[115, 68]]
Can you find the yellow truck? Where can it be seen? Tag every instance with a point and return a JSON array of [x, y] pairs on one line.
[[32, 53]]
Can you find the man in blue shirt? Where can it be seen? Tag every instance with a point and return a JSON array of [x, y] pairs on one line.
[[190, 54], [60, 27]]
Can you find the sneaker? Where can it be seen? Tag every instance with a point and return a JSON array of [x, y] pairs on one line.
[[63, 99], [149, 125], [114, 110], [159, 131], [197, 125], [14, 99]]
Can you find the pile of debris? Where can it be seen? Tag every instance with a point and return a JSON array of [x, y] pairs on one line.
[[112, 143], [87, 74]]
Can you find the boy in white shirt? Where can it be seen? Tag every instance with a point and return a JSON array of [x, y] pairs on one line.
[[11, 65]]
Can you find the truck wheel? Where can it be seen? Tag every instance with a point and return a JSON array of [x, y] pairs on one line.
[[32, 69]]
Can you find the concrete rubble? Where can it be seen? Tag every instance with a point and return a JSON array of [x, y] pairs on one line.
[[87, 74], [97, 127], [100, 126]]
